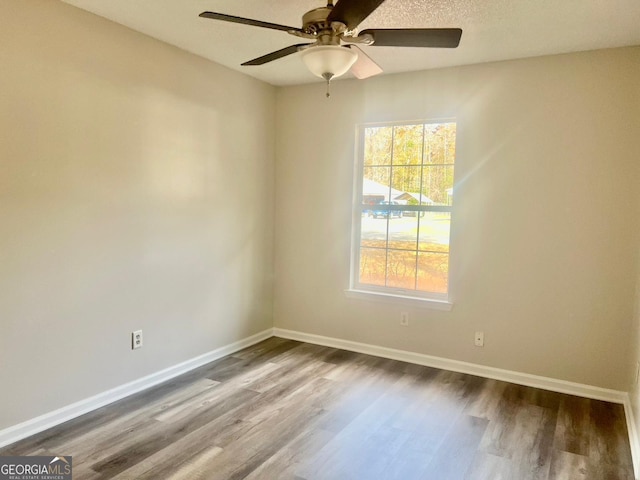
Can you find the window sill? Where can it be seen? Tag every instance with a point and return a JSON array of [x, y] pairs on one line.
[[406, 300]]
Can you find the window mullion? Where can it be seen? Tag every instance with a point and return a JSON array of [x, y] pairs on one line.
[[419, 212], [386, 252]]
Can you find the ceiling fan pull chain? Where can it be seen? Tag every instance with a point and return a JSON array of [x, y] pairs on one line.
[[327, 77]]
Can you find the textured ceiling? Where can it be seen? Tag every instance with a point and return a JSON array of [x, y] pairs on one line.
[[492, 29]]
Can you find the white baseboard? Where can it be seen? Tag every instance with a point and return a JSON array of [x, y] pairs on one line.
[[64, 414], [634, 441], [519, 378]]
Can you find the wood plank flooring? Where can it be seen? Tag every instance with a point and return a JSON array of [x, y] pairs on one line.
[[289, 410]]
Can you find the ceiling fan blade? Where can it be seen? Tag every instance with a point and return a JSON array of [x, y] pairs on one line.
[[353, 12], [364, 67], [247, 21], [415, 37], [270, 57]]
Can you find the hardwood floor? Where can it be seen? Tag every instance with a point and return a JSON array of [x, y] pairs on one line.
[[289, 410]]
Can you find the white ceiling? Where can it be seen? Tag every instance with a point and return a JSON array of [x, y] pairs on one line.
[[492, 29]]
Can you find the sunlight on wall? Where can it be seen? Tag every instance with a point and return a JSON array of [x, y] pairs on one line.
[[178, 133]]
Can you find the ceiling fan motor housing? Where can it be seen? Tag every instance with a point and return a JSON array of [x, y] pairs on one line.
[[314, 22]]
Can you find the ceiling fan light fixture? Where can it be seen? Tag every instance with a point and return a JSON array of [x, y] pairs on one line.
[[329, 60]]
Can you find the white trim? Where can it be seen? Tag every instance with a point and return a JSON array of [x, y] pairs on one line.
[[402, 299], [545, 383], [51, 419], [634, 441]]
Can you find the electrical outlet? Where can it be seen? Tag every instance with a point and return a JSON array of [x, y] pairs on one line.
[[136, 339], [479, 340], [404, 319]]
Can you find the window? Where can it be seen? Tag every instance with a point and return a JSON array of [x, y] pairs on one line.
[[402, 210]]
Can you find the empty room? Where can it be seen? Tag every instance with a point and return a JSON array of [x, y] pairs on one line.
[[375, 240]]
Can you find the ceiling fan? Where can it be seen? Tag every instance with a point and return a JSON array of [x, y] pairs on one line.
[[334, 31]]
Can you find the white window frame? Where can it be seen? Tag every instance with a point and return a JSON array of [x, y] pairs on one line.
[[440, 301]]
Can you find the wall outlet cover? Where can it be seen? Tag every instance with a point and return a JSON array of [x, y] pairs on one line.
[[136, 339]]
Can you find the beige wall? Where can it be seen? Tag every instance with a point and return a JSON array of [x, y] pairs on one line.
[[545, 222], [136, 192]]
